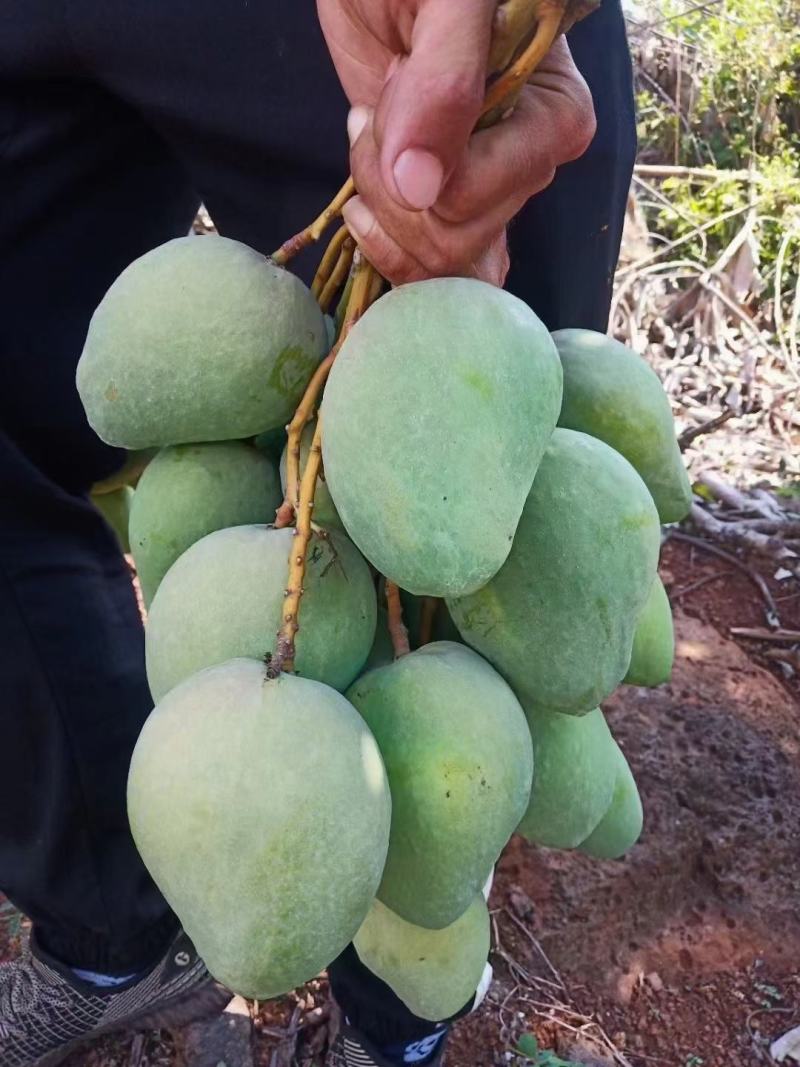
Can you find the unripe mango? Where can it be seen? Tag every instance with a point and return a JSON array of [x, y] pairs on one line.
[[189, 491], [435, 417], [434, 972], [613, 394], [224, 599], [621, 826], [115, 507], [459, 759], [201, 339], [576, 764], [262, 811], [558, 619], [653, 642]]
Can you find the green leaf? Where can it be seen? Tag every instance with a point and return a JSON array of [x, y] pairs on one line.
[[528, 1046]]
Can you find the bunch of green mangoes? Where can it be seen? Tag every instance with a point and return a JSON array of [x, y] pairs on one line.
[[510, 482]]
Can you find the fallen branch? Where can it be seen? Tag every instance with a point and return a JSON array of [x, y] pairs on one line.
[[698, 584], [704, 428], [780, 637], [734, 533]]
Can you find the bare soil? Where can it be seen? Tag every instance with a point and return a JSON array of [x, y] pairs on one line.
[[686, 952]]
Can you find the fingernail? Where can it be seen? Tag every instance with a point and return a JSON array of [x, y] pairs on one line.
[[358, 217], [419, 176], [356, 121]]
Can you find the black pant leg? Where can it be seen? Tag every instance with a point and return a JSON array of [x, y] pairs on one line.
[[565, 242], [85, 188], [74, 697]]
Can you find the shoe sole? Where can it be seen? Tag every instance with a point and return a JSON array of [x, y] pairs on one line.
[[180, 1011]]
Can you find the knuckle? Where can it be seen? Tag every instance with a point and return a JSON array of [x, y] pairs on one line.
[[581, 123], [459, 91], [391, 260]]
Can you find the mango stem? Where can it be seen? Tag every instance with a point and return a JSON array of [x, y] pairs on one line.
[[514, 22], [329, 260], [338, 274], [359, 299], [312, 233], [397, 628], [283, 660], [299, 502], [504, 93]]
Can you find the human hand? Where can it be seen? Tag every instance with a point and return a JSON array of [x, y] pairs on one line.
[[434, 198]]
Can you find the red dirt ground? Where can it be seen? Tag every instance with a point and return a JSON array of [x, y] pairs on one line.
[[685, 953]]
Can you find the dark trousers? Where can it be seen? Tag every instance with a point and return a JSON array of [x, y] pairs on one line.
[[116, 119]]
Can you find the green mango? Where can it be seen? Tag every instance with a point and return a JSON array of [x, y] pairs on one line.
[[330, 330], [224, 599], [653, 642], [613, 394], [558, 620], [436, 413], [442, 628], [128, 474], [621, 826], [262, 811], [382, 651], [115, 507], [201, 339], [325, 513], [433, 972], [189, 491], [459, 759], [575, 761], [272, 443]]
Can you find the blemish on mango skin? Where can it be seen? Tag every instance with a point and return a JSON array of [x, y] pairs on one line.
[[112, 393], [479, 383], [291, 370]]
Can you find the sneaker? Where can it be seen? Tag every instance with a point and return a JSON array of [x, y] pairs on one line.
[[46, 1012], [352, 1049]]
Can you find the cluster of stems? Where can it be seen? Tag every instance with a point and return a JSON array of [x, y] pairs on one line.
[[523, 32], [298, 504]]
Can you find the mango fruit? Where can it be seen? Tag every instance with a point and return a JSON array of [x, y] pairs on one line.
[[115, 507], [133, 466], [459, 760], [262, 811], [272, 443], [189, 491], [434, 972], [382, 652], [325, 513], [201, 339], [612, 393], [436, 415], [653, 641], [442, 626], [621, 826], [575, 761], [223, 599], [558, 620]]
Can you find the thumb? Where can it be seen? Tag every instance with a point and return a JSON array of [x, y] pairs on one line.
[[432, 100]]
